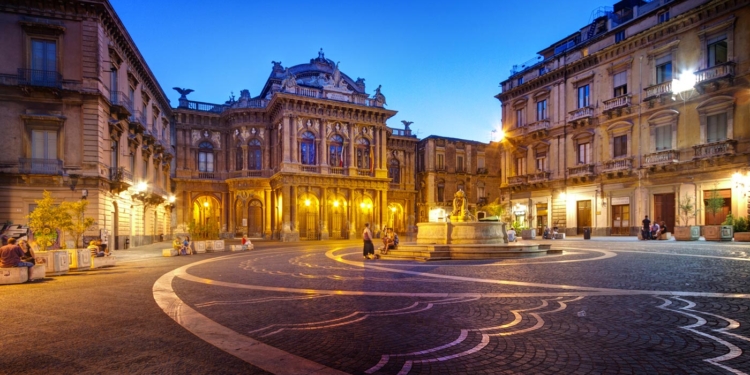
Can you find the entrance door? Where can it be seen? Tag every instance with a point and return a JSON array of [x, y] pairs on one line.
[[541, 217], [584, 215], [255, 219], [718, 217], [310, 233], [337, 220], [664, 209], [621, 220]]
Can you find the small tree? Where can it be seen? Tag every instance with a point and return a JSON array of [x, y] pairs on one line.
[[687, 209], [714, 204], [46, 219], [79, 223], [494, 208]]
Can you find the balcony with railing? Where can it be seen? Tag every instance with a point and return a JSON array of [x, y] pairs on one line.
[[364, 172], [714, 74], [138, 117], [40, 78], [41, 166], [720, 148], [621, 101], [617, 165], [121, 103], [120, 175], [580, 114], [581, 170], [338, 171], [542, 125], [516, 131], [310, 168], [247, 173], [539, 177], [517, 180], [658, 90], [482, 171], [663, 157]]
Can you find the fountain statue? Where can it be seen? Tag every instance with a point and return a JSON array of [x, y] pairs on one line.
[[460, 213]]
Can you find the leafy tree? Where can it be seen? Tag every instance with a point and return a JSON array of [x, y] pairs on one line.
[[46, 219], [714, 204], [494, 208], [79, 223], [687, 209]]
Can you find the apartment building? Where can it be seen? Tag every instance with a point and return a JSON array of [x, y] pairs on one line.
[[82, 117], [647, 105]]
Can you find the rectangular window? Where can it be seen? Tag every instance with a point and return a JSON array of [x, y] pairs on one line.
[[620, 83], [440, 162], [113, 80], [145, 168], [459, 164], [664, 69], [663, 17], [584, 96], [542, 71], [441, 193], [520, 81], [541, 161], [584, 153], [44, 144], [717, 50], [480, 162], [663, 135], [132, 162], [716, 127], [541, 110], [620, 144], [619, 36], [519, 118], [43, 57], [113, 155], [520, 166]]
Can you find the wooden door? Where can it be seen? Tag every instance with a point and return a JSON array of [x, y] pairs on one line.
[[255, 219], [664, 210], [311, 224], [721, 214], [621, 220], [584, 215], [337, 220]]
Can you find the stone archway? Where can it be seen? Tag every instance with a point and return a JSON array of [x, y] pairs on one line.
[[396, 217], [365, 213], [308, 218], [337, 218], [207, 213], [255, 219]]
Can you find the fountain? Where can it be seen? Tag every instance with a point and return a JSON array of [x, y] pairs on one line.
[[462, 237]]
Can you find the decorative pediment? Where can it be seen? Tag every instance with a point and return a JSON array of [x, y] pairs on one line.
[[620, 126], [620, 65], [716, 104], [664, 48], [663, 117], [583, 135]]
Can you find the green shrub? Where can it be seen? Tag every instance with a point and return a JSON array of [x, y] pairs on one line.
[[741, 225]]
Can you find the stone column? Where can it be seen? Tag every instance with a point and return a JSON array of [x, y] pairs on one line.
[[232, 227], [324, 214], [383, 150], [375, 150], [295, 214], [353, 230], [266, 163], [286, 128], [286, 213], [293, 139], [268, 206], [274, 211], [244, 157], [225, 211], [352, 156]]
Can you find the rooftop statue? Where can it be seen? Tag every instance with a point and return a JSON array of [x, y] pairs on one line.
[[183, 92], [407, 124], [379, 97]]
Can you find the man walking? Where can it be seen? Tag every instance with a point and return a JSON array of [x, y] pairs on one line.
[[646, 231]]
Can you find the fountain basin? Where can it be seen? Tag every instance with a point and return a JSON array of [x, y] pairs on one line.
[[484, 232]]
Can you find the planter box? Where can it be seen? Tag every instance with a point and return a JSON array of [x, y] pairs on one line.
[[37, 272], [101, 262], [691, 233], [215, 246], [55, 261], [79, 259], [237, 248], [528, 234], [209, 245], [665, 236], [169, 252], [718, 232], [14, 275], [742, 236], [198, 247]]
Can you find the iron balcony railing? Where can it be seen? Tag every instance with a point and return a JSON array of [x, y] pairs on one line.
[[42, 78], [120, 99], [138, 117], [120, 175], [41, 166]]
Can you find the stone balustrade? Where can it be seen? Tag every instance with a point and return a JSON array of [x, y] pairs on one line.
[[618, 102], [659, 89], [581, 170], [516, 131], [663, 157], [714, 72], [516, 180], [580, 113], [539, 177], [537, 126], [726, 147], [618, 165]]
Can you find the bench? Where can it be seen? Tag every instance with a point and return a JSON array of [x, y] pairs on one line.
[[665, 236], [215, 246], [245, 247], [169, 252], [101, 262], [559, 236], [19, 275], [79, 259]]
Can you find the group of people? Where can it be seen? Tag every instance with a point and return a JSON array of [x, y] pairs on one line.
[[390, 241], [15, 254], [652, 231], [98, 249], [182, 246]]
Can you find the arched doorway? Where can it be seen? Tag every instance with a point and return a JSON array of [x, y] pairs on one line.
[[365, 213], [207, 214], [240, 217], [255, 219], [337, 218], [396, 217], [308, 217]]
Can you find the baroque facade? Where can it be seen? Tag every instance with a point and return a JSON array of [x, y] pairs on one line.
[[643, 108], [82, 116], [310, 157]]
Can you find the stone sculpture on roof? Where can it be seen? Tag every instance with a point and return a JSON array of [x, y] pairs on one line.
[[379, 97]]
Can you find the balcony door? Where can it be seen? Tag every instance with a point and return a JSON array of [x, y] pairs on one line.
[[43, 62], [584, 215]]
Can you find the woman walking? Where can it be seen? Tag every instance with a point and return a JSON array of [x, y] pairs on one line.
[[369, 248]]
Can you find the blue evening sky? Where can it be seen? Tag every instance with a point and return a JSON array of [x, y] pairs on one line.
[[439, 63]]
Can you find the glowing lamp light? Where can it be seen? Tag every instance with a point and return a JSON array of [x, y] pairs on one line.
[[393, 209], [684, 83], [335, 203], [205, 204], [369, 205], [171, 199], [362, 205], [141, 186], [307, 202]]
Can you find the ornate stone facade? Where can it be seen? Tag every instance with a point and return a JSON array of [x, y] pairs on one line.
[[644, 107]]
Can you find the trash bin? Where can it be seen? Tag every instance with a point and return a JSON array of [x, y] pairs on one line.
[[586, 233]]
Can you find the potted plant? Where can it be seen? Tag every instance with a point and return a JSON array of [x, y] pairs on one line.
[[741, 227], [529, 233], [44, 223], [687, 209], [79, 257], [722, 232]]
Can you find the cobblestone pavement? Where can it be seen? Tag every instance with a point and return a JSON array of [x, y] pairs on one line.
[[600, 307]]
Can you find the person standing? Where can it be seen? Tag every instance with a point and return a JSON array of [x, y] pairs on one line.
[[369, 248], [646, 232]]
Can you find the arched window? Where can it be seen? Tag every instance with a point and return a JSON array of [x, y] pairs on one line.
[[254, 155], [205, 157], [336, 151], [394, 171], [363, 153], [307, 148], [238, 158]]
